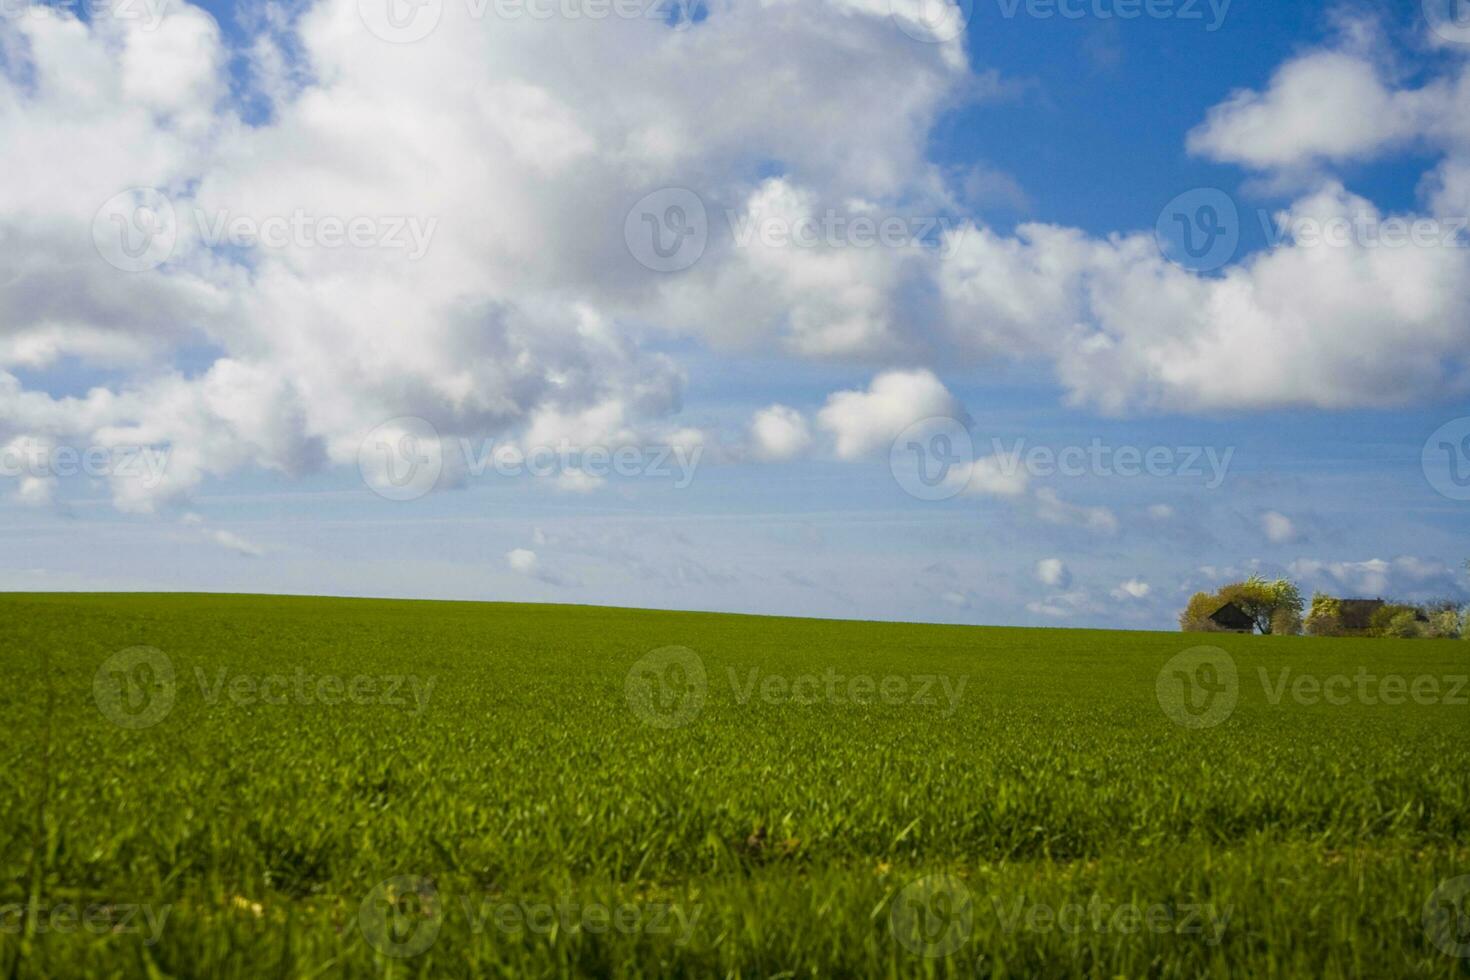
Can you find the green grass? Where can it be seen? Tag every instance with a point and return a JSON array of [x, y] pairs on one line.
[[766, 837]]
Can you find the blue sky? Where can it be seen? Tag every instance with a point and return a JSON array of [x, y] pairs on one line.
[[1033, 156]]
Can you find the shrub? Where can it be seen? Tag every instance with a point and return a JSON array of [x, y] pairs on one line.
[[1383, 619]]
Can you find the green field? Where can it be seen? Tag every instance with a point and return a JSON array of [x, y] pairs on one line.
[[368, 788]]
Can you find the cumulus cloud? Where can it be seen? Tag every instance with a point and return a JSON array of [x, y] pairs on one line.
[[522, 560], [864, 422], [1053, 572], [1277, 527], [501, 295], [1405, 576], [1133, 589], [520, 310], [779, 433]]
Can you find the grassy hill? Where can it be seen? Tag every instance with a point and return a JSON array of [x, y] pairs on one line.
[[302, 787]]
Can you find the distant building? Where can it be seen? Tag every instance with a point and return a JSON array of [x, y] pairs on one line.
[[1356, 615], [1233, 618]]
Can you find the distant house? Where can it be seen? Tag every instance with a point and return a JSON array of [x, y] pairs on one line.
[[1356, 615], [1233, 618]]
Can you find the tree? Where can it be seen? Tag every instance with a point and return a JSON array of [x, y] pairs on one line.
[[1391, 620], [1262, 600], [1272, 606], [1325, 618], [1196, 615]]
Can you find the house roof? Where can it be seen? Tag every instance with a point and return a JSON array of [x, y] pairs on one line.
[[1232, 617], [1356, 614]]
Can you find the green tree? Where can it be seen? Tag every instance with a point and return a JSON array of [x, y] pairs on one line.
[[1262, 600], [1325, 618], [1196, 615], [1272, 606]]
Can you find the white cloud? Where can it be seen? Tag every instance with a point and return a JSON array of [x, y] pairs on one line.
[[1325, 106], [1405, 576], [1052, 509], [1053, 572], [864, 422], [1161, 512], [234, 542], [526, 314], [522, 560], [996, 476], [1133, 589], [1277, 527], [779, 433]]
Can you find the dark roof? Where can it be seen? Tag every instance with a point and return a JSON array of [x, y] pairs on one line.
[[1232, 617], [1356, 614]]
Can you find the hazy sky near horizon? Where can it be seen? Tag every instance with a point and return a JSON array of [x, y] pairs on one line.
[[1038, 312]]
